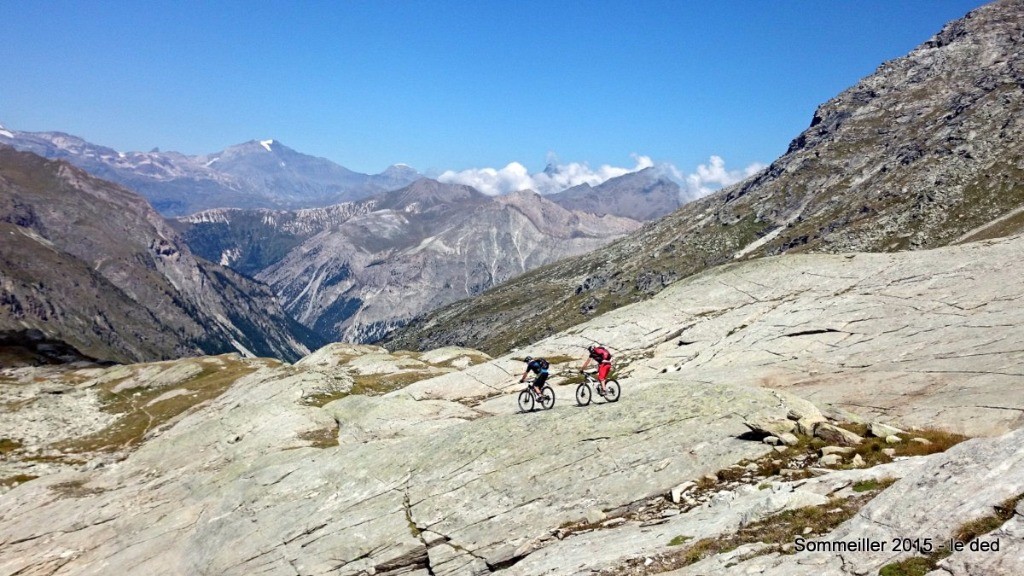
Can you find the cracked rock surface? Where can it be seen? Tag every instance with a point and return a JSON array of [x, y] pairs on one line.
[[445, 476]]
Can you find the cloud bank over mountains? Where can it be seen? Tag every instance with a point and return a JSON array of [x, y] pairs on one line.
[[557, 177]]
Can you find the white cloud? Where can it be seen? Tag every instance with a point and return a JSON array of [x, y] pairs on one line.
[[557, 177], [712, 176]]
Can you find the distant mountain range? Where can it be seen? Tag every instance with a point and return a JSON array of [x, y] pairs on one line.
[[642, 195], [352, 270], [89, 263], [256, 174], [926, 152], [357, 271]]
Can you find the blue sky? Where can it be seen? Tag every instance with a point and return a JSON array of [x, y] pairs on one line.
[[450, 85]]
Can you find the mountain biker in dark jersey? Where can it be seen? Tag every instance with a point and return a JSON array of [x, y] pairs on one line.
[[538, 366], [603, 357]]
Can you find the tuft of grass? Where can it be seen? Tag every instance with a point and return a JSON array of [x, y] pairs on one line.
[[678, 540], [915, 566], [75, 489], [16, 479], [873, 485], [8, 445], [322, 438]]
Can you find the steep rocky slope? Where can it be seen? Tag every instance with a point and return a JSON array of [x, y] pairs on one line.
[[356, 271], [255, 174], [925, 152], [444, 476], [423, 246], [90, 263]]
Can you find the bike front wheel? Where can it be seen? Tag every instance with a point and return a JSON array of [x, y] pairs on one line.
[[525, 401], [611, 391], [583, 394], [547, 399]]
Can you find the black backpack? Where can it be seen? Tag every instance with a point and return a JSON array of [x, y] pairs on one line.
[[601, 354], [541, 363]]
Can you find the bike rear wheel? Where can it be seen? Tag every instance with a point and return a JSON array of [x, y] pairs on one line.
[[611, 390], [547, 399], [525, 401], [583, 394]]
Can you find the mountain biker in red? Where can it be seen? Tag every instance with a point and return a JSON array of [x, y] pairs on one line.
[[538, 366], [603, 357]]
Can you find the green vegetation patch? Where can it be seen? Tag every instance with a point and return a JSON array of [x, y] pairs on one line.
[[12, 481], [379, 384], [75, 489], [777, 531], [322, 438], [8, 445], [138, 417]]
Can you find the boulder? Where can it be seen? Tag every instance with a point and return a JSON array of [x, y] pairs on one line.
[[770, 425], [880, 430], [789, 439], [837, 435]]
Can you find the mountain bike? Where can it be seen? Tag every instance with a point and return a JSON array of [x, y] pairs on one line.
[[584, 390], [528, 398]]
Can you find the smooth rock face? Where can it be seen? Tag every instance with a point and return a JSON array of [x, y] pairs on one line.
[[948, 491], [231, 489]]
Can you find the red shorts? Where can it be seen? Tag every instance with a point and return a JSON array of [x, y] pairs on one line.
[[602, 371]]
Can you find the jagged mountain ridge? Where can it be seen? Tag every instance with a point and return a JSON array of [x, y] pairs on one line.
[[357, 271], [925, 152], [255, 174], [92, 264]]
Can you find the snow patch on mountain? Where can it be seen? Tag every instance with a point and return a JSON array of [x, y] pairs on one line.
[[266, 144]]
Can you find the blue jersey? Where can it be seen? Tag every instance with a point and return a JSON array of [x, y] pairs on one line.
[[538, 366]]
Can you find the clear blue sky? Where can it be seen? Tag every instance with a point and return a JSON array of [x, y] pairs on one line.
[[449, 85]]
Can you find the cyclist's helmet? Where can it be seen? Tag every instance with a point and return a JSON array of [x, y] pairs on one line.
[[528, 359], [590, 348]]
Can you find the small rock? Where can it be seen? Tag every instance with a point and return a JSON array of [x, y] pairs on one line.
[[830, 460], [880, 430], [842, 450], [893, 439], [669, 512], [769, 425], [613, 522], [752, 467], [808, 530], [789, 439], [922, 441], [787, 547], [779, 448], [711, 477], [836, 435], [771, 440], [594, 516], [890, 452], [858, 461], [678, 491]]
